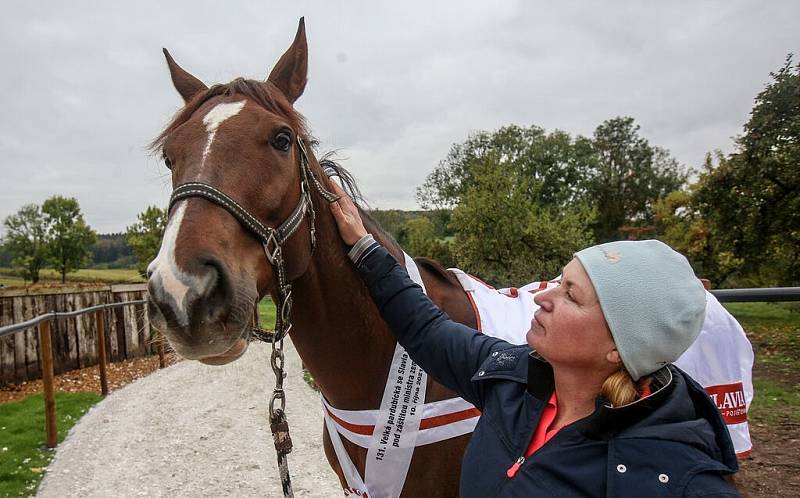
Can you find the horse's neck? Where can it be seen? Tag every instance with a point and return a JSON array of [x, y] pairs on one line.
[[337, 330]]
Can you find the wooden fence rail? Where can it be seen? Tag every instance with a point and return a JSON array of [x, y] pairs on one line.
[[126, 330]]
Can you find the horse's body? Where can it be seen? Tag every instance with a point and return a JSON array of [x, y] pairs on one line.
[[211, 271]]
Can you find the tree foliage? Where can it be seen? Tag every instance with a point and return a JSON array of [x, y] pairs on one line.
[[556, 164], [505, 235], [631, 176], [144, 236], [69, 235], [111, 250], [419, 237], [680, 223], [525, 200], [753, 196], [26, 241]]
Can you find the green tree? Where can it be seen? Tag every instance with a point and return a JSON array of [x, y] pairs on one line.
[[520, 201], [506, 236], [556, 163], [680, 223], [26, 240], [753, 195], [111, 250], [145, 235], [630, 176], [418, 237], [69, 235]]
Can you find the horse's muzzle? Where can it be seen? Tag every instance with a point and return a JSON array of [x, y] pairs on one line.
[[198, 312]]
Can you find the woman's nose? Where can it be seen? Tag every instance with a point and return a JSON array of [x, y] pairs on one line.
[[544, 300]]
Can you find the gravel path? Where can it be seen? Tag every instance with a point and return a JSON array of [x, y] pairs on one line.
[[194, 430]]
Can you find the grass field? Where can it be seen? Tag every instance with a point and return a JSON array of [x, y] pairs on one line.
[[23, 454], [87, 275], [267, 313]]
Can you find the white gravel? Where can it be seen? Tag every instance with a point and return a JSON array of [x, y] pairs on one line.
[[195, 430]]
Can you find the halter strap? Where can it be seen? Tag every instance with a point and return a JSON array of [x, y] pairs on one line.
[[271, 238], [265, 234]]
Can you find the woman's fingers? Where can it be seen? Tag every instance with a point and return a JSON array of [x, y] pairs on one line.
[[337, 211], [344, 201], [347, 217]]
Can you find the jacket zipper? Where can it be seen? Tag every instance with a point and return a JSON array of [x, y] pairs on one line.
[[512, 471]]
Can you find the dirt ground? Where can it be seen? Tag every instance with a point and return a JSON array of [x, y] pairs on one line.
[[773, 469], [88, 379]]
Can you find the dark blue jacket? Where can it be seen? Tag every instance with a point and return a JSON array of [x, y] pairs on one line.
[[672, 443]]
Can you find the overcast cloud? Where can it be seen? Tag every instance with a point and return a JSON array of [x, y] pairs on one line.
[[391, 85]]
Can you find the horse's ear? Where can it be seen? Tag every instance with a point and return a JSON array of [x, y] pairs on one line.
[[186, 84], [291, 71]]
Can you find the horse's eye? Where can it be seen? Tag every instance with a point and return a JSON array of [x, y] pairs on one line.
[[167, 162], [282, 141]]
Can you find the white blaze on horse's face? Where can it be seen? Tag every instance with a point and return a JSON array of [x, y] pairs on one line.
[[175, 283], [215, 117]]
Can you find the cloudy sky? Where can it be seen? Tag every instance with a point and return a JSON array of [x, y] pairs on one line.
[[391, 85]]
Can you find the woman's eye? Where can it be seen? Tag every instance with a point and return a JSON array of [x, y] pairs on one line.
[[282, 141]]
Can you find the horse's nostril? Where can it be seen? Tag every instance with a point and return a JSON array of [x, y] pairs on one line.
[[151, 268], [215, 275], [217, 295]]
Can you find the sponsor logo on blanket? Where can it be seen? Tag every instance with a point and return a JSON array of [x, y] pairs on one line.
[[730, 400]]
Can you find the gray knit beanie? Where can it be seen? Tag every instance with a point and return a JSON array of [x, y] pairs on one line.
[[651, 299]]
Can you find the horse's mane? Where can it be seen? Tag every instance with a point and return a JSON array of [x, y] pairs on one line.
[[264, 93], [332, 168]]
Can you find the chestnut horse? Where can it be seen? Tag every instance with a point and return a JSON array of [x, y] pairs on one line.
[[241, 139]]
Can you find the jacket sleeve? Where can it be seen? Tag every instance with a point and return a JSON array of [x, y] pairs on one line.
[[448, 351]]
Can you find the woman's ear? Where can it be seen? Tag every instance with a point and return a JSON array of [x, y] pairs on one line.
[[614, 357]]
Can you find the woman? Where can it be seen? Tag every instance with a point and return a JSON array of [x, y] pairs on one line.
[[593, 407]]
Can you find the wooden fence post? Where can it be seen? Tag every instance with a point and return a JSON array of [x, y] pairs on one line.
[[102, 361], [46, 350]]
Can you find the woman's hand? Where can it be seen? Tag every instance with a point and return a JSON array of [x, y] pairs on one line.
[[351, 228]]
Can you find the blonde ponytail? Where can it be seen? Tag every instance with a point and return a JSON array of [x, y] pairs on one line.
[[620, 389]]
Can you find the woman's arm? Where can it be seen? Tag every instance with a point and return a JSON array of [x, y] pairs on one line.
[[450, 352]]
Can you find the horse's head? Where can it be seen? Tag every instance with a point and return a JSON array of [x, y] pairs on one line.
[[241, 139]]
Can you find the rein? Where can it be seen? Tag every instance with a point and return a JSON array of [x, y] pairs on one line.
[[272, 239]]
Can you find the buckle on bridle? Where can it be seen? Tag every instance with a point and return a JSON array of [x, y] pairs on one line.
[[275, 253]]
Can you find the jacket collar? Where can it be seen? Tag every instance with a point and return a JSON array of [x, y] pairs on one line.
[[540, 377], [606, 419]]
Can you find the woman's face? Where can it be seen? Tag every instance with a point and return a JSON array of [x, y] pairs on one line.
[[569, 328]]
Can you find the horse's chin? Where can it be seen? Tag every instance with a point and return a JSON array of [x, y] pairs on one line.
[[234, 353], [212, 352]]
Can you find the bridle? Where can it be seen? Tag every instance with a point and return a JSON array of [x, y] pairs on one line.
[[272, 239]]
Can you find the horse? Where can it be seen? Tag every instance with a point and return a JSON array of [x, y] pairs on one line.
[[242, 144]]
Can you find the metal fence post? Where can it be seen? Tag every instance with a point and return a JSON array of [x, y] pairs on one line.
[[102, 361], [46, 350]]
